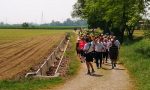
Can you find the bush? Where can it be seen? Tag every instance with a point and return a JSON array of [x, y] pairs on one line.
[[147, 34]]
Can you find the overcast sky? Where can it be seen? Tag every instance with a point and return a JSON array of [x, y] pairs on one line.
[[18, 11]]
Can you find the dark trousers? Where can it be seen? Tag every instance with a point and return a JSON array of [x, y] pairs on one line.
[[98, 57], [106, 54], [113, 62]]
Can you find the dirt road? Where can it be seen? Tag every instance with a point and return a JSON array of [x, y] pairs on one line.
[[103, 79]]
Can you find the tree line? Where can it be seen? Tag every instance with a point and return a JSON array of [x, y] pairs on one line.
[[67, 22]]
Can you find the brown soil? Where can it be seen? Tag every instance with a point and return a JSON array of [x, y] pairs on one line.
[[16, 58]]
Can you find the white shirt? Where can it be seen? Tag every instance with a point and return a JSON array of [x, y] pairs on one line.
[[117, 43], [109, 43], [99, 47], [88, 47]]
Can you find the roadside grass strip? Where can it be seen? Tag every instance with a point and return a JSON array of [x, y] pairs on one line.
[[136, 57]]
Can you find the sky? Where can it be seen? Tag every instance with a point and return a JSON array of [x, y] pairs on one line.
[[19, 11]]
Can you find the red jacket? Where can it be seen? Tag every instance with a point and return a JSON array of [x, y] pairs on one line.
[[81, 44]]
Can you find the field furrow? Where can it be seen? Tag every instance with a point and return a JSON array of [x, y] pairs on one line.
[[18, 45], [23, 56], [18, 57], [14, 53], [13, 44]]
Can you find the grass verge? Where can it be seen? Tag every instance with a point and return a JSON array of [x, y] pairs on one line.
[[136, 57], [30, 84], [36, 84], [74, 63]]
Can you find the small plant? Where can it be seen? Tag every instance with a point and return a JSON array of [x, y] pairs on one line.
[[68, 36], [147, 34]]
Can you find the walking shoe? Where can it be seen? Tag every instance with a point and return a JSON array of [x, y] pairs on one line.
[[88, 73], [100, 66], [93, 71], [112, 67]]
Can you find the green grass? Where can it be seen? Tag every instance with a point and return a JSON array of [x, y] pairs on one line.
[[7, 35], [136, 57], [36, 84], [74, 63], [30, 84]]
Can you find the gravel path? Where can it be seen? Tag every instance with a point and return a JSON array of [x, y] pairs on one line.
[[103, 79]]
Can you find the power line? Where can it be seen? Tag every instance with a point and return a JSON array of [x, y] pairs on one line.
[[42, 18]]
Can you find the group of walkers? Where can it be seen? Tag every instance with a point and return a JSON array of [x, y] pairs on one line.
[[99, 48]]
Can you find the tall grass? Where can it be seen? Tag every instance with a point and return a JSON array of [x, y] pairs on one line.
[[136, 57]]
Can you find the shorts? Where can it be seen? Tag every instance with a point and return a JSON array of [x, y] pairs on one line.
[[89, 57], [78, 51], [98, 55], [82, 53], [105, 54], [114, 56]]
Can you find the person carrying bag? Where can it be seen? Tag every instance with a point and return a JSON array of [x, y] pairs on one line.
[[88, 48]]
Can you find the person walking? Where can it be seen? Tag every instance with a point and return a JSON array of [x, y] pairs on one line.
[[88, 48], [113, 52], [103, 50], [116, 42], [106, 48], [78, 48], [99, 52], [82, 43]]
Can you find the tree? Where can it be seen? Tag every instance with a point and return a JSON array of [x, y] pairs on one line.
[[69, 22], [1, 23], [25, 25], [55, 23], [110, 15]]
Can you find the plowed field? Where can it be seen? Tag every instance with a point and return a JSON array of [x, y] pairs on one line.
[[20, 50]]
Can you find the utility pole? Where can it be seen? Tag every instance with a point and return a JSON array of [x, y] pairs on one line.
[[6, 20], [42, 18]]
